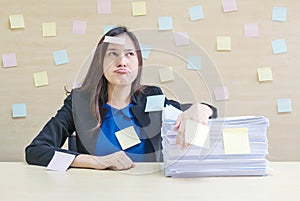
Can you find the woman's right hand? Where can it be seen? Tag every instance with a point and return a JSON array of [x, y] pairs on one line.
[[116, 161]]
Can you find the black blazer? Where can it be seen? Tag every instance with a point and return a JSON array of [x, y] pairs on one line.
[[67, 121]]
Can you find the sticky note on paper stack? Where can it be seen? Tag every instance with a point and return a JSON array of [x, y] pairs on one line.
[[235, 146], [236, 141], [196, 133]]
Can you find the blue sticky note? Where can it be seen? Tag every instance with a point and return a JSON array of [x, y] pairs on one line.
[[145, 49], [60, 57], [284, 105], [194, 63], [165, 23], [279, 14], [279, 46], [155, 103], [19, 110], [107, 28], [196, 13]]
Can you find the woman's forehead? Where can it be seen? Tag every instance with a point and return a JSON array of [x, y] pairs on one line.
[[129, 44]]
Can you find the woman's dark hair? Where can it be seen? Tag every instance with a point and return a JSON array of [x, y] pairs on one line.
[[95, 82]]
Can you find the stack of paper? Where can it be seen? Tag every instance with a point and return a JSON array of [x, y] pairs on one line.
[[234, 146]]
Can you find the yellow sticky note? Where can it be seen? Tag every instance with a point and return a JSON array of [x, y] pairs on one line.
[[49, 29], [224, 43], [236, 141], [264, 74], [138, 8], [166, 74], [127, 137], [16, 21], [40, 79], [196, 133]]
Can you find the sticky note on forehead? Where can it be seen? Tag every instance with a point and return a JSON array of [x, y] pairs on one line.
[[114, 40]]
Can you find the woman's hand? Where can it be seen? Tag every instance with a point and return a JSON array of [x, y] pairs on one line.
[[116, 161], [197, 112]]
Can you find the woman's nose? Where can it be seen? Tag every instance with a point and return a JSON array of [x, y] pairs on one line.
[[122, 61]]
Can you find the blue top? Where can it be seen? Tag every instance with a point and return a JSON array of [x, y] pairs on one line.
[[114, 121]]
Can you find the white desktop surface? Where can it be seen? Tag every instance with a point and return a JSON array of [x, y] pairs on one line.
[[19, 181]]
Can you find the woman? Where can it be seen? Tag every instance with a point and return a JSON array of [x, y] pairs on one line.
[[110, 100]]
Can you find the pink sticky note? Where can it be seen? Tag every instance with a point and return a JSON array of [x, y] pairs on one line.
[[104, 6], [60, 161], [229, 5], [251, 30], [79, 27], [9, 60], [181, 38], [221, 93]]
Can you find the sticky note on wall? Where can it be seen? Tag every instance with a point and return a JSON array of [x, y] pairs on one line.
[[16, 21], [196, 13], [279, 46], [138, 8], [221, 93], [223, 43], [284, 105], [229, 5], [279, 14], [236, 141], [251, 30], [9, 60], [181, 38], [166, 74], [60, 57], [104, 6], [49, 29], [79, 27], [165, 23], [194, 62], [19, 110], [40, 79], [264, 74]]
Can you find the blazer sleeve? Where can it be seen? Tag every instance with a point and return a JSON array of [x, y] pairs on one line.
[[52, 137], [186, 106]]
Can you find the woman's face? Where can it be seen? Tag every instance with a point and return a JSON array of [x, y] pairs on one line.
[[120, 64]]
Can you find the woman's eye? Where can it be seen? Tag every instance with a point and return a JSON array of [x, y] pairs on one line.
[[131, 54], [112, 54]]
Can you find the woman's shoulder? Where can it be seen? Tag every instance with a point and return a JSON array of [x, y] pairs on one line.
[[151, 90]]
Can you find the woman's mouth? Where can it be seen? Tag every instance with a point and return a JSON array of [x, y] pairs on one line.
[[122, 70]]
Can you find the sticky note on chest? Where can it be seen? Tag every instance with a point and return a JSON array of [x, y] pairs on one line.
[[127, 137]]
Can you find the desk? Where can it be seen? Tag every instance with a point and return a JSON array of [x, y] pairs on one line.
[[19, 181]]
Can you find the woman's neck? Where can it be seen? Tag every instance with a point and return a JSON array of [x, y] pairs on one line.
[[119, 96]]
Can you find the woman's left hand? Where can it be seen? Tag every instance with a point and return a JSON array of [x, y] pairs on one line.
[[197, 112]]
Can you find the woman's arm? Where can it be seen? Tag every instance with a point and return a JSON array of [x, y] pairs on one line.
[[115, 161], [52, 137]]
